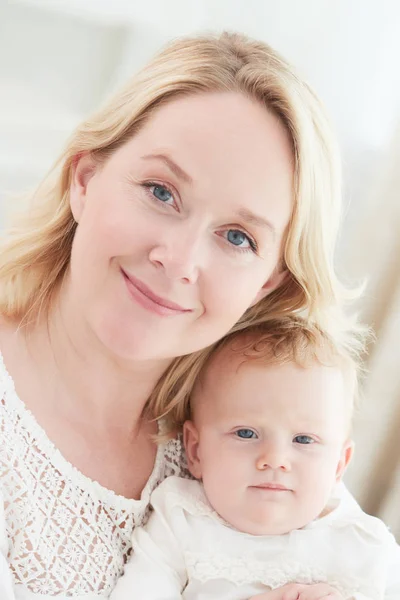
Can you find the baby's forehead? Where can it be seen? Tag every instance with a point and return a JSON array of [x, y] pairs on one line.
[[273, 349], [260, 373], [225, 362], [220, 368], [231, 361], [245, 349]]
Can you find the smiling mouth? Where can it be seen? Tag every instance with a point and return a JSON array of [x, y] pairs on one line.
[[149, 300]]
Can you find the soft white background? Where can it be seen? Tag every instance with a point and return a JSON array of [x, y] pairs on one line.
[[60, 58]]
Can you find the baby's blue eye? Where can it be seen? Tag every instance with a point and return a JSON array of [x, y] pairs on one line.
[[303, 439], [161, 193], [246, 434]]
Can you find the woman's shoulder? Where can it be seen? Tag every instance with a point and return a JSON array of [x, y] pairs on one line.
[[10, 354], [10, 406]]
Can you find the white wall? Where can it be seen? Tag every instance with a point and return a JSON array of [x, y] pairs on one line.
[[59, 58]]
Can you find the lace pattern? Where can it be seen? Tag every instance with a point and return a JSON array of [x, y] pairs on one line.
[[67, 534], [243, 571]]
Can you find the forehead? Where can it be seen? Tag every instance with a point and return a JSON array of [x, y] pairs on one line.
[[228, 144], [234, 387]]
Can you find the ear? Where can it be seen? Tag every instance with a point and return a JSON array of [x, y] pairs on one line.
[[83, 169], [274, 281], [345, 458], [191, 443]]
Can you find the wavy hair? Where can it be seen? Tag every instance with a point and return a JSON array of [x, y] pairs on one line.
[[35, 254]]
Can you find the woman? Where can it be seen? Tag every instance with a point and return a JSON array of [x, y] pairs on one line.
[[203, 197]]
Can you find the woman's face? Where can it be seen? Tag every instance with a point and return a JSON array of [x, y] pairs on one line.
[[181, 229]]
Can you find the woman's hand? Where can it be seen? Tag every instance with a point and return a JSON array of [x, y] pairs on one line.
[[298, 591]]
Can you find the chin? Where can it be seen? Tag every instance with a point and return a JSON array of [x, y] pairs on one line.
[[132, 347], [270, 524], [121, 339], [269, 528]]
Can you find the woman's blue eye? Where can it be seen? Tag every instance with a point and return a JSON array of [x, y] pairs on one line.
[[240, 239], [303, 439], [162, 193], [246, 434], [236, 237]]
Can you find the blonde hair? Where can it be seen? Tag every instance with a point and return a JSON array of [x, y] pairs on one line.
[[278, 342], [36, 253]]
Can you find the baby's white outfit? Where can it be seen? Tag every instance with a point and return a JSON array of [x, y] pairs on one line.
[[187, 551]]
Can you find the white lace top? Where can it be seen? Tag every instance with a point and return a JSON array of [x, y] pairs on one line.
[[61, 534], [187, 551]]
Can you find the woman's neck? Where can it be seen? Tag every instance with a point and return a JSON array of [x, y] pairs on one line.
[[83, 378]]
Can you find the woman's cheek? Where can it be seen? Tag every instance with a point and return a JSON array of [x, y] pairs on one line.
[[235, 289]]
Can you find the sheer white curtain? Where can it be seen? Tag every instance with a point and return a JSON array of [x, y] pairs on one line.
[[375, 249]]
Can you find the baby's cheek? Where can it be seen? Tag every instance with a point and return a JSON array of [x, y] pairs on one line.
[[219, 474]]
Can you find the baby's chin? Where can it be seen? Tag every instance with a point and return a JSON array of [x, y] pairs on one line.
[[266, 529], [269, 526]]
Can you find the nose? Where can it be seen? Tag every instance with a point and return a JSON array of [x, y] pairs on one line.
[[179, 253], [273, 456]]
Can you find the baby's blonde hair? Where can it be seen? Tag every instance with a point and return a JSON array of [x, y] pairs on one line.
[[289, 340], [35, 254]]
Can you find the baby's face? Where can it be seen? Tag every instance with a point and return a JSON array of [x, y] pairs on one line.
[[269, 443]]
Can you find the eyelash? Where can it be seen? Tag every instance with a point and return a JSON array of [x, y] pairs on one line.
[[149, 184], [310, 443], [252, 242], [247, 429], [253, 246], [236, 433]]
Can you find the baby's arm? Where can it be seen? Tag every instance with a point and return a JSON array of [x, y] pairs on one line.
[[156, 569], [392, 590], [296, 591]]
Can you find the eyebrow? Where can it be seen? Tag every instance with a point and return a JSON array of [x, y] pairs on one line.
[[171, 164], [252, 219]]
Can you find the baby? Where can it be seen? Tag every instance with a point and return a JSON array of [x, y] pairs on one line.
[[267, 441]]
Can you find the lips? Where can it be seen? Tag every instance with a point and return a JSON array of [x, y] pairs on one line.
[[276, 487], [148, 299]]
